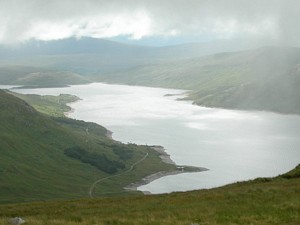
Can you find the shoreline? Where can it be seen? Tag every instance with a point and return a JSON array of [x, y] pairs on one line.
[[66, 114], [109, 134], [165, 157]]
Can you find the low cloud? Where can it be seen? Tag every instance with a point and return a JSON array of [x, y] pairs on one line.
[[49, 20]]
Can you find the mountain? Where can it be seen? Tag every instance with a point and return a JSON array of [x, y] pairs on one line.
[[71, 46], [84, 56], [267, 78], [88, 56], [192, 50], [37, 76], [45, 157]]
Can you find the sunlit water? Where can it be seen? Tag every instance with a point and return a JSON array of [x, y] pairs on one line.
[[233, 145]]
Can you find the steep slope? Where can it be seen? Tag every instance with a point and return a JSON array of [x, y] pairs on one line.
[[35, 163], [264, 79]]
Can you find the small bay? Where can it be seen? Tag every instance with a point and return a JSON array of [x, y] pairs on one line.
[[234, 145]]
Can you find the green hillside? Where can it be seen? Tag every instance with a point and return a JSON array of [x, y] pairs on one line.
[[264, 201], [35, 164], [52, 105], [263, 79]]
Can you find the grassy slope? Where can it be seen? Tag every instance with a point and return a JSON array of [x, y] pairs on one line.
[[52, 105], [263, 79], [262, 201], [33, 165]]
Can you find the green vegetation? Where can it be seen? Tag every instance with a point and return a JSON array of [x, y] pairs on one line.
[[34, 166], [52, 105], [260, 202], [100, 161]]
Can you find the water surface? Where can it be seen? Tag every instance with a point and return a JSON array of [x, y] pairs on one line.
[[233, 145]]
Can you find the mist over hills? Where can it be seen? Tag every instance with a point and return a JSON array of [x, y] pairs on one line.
[[262, 79], [98, 56], [228, 74], [37, 76], [86, 45]]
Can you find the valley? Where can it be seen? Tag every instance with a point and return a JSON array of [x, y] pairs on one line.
[[58, 170], [259, 79], [149, 112], [265, 78], [35, 165], [234, 145], [262, 79]]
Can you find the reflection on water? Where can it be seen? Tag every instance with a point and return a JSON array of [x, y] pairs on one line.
[[234, 145]]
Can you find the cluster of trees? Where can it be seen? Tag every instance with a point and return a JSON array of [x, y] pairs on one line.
[[123, 152], [100, 161]]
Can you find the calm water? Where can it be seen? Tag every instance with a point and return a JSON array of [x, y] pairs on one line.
[[233, 145]]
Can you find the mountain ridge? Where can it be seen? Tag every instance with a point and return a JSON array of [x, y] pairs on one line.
[[262, 79]]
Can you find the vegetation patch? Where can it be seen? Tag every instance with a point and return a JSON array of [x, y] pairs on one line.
[[100, 161], [51, 105]]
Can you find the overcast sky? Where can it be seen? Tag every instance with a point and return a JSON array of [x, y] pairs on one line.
[[22, 20]]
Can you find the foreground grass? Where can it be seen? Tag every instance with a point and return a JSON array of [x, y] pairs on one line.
[[262, 201]]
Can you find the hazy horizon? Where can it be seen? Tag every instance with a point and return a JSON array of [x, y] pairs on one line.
[[151, 23]]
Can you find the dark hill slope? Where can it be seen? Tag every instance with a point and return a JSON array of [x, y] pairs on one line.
[[34, 164]]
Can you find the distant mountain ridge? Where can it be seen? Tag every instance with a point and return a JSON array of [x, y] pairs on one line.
[[264, 78], [267, 78], [68, 46], [37, 76], [98, 56], [86, 45]]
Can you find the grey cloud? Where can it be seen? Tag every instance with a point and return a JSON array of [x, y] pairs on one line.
[[267, 18]]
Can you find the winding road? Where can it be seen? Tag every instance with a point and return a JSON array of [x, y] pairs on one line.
[[117, 175]]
